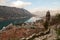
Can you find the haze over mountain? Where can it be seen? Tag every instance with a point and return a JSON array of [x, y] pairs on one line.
[[43, 12], [13, 13]]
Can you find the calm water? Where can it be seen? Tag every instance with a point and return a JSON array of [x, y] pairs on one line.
[[7, 22]]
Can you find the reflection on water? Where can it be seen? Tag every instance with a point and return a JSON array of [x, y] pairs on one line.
[[15, 21], [33, 19]]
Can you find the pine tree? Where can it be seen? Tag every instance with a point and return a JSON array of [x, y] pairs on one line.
[[47, 20]]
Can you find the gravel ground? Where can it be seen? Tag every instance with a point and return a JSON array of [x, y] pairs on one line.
[[51, 36]]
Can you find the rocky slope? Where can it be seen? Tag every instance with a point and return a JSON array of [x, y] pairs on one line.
[[13, 13]]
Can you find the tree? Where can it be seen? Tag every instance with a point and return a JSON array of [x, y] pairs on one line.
[[47, 20], [55, 20]]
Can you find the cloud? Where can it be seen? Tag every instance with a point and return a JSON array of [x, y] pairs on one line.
[[43, 9], [2, 1], [39, 9], [15, 3], [20, 4]]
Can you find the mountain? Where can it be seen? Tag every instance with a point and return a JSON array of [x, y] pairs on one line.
[[13, 13], [43, 13]]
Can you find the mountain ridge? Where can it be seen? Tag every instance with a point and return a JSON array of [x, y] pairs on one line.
[[13, 12]]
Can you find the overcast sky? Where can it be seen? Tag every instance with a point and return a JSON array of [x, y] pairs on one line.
[[32, 4]]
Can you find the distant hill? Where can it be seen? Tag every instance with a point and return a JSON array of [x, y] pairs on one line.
[[13, 13], [43, 13]]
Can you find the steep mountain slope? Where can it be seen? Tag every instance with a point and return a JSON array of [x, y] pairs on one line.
[[13, 13]]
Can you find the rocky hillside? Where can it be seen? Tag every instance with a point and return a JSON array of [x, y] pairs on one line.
[[13, 13]]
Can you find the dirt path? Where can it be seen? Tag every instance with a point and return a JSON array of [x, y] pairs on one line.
[[51, 36]]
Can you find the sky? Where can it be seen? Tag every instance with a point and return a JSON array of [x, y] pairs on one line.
[[32, 5]]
